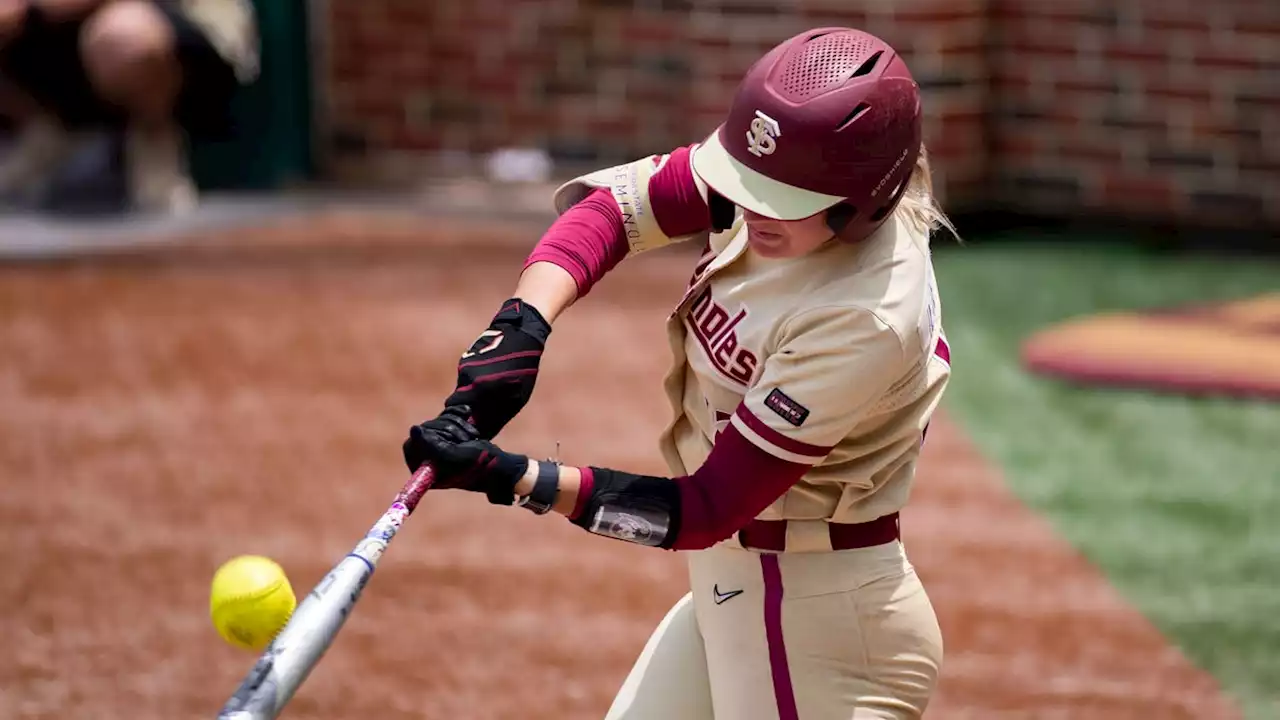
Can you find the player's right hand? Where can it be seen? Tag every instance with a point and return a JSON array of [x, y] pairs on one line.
[[496, 375], [462, 460]]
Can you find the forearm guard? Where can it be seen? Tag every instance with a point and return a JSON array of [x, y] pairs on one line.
[[640, 509]]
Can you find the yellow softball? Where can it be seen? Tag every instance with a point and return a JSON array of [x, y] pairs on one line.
[[251, 601]]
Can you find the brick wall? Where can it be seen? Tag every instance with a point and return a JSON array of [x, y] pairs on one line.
[[1133, 106], [1139, 106]]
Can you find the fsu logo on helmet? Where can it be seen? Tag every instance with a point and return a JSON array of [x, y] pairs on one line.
[[762, 138]]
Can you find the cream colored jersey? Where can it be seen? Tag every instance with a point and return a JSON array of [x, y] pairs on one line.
[[835, 360]]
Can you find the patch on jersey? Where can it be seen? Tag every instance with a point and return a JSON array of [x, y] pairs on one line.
[[787, 409]]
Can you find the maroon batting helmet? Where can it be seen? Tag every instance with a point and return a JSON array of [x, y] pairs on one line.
[[829, 117]]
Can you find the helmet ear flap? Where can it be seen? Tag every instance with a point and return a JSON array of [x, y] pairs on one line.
[[839, 217], [722, 211]]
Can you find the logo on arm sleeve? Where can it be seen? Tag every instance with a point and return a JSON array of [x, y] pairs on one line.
[[787, 409]]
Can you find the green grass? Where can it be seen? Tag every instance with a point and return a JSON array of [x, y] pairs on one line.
[[1176, 499]]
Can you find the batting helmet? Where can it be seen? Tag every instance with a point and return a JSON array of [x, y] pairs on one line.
[[830, 117]]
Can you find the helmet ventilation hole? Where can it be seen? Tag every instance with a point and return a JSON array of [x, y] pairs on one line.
[[866, 67], [824, 62], [854, 114]]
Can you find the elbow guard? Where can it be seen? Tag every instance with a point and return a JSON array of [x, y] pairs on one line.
[[639, 509]]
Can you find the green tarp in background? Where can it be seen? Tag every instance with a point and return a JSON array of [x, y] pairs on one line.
[[273, 146]]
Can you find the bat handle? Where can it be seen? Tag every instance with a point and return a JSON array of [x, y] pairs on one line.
[[421, 481], [375, 541]]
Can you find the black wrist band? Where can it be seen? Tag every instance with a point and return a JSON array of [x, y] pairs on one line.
[[543, 496], [526, 317]]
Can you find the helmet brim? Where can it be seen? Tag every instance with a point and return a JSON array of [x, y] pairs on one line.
[[753, 190]]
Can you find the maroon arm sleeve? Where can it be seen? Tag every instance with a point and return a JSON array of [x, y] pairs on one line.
[[735, 484], [589, 239], [673, 193]]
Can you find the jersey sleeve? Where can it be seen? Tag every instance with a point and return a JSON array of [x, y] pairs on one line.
[[831, 367], [660, 198]]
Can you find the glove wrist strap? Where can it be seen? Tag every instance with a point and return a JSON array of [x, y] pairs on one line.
[[524, 316], [500, 484]]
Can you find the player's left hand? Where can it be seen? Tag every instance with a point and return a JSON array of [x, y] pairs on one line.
[[496, 375], [462, 459]]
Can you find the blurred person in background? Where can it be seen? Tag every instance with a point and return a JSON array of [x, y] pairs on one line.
[[162, 72], [808, 359]]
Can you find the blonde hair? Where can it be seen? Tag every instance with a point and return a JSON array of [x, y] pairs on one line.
[[919, 208]]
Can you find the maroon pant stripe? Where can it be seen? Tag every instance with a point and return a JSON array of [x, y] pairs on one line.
[[784, 694]]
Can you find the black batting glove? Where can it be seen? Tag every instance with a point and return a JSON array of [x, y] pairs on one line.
[[453, 425], [462, 460], [497, 373]]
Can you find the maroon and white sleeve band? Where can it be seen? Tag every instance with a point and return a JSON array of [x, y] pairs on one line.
[[589, 239], [775, 443]]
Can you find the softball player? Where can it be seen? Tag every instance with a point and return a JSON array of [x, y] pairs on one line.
[[808, 359]]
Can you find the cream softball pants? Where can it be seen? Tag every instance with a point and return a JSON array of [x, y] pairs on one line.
[[844, 635]]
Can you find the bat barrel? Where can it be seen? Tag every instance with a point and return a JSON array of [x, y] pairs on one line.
[[285, 664], [287, 661]]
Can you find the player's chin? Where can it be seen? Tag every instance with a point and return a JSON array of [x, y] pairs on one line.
[[782, 250]]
